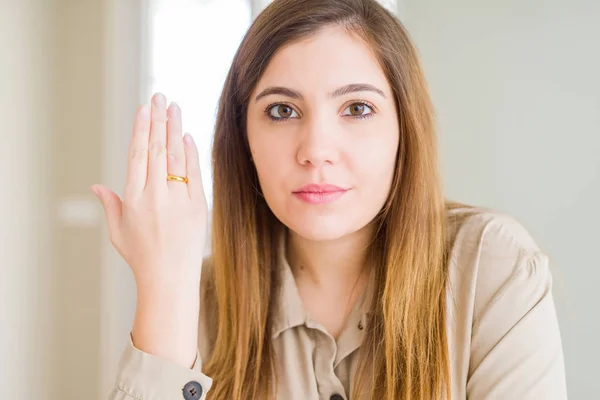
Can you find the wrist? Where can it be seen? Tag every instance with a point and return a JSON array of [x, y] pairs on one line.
[[180, 280], [166, 323]]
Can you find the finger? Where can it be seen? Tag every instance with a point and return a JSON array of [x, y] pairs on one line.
[[175, 150], [157, 154], [195, 188], [113, 209], [137, 166]]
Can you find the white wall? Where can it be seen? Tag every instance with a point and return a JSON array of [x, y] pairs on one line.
[[516, 86], [52, 108], [78, 106], [27, 286]]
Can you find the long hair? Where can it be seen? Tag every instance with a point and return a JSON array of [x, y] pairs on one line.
[[404, 355]]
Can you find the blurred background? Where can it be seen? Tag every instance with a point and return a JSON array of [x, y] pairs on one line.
[[516, 87]]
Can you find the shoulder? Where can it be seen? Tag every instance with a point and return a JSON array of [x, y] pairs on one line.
[[489, 229], [479, 233], [488, 250]]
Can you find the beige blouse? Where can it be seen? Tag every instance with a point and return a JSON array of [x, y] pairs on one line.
[[503, 334]]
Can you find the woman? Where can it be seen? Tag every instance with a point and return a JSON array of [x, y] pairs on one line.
[[338, 270]]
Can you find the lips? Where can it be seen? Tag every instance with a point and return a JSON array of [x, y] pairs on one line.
[[319, 194], [314, 188]]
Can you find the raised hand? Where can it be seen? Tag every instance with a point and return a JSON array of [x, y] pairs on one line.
[[160, 229]]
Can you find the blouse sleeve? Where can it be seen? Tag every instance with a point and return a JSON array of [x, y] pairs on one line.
[[516, 350], [143, 376]]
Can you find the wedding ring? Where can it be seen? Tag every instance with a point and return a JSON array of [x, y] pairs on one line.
[[176, 178]]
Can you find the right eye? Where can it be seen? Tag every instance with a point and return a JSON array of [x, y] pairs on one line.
[[280, 112]]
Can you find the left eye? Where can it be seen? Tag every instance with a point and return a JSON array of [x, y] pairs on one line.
[[358, 110]]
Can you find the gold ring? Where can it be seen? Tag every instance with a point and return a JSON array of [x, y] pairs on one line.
[[176, 178]]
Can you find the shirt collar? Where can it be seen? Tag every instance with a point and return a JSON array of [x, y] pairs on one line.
[[289, 311]]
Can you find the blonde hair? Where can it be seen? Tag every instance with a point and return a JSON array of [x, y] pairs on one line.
[[405, 353]]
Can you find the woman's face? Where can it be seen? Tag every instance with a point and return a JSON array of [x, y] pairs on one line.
[[323, 132]]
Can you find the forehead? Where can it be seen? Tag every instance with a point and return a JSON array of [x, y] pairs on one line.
[[329, 59]]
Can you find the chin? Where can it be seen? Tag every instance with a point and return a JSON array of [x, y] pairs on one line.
[[321, 223], [321, 229]]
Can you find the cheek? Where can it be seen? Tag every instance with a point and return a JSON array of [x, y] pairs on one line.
[[273, 177], [271, 161], [375, 164], [269, 177]]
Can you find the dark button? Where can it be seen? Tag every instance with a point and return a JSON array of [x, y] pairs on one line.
[[192, 391], [336, 397]]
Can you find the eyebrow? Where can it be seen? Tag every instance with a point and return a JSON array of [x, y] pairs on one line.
[[351, 88]]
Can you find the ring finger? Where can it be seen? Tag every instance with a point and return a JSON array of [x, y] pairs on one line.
[[176, 163]]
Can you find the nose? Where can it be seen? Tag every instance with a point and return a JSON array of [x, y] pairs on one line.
[[319, 143]]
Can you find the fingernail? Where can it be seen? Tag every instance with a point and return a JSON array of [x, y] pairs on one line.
[[94, 190], [188, 138], [174, 110], [159, 99], [145, 112]]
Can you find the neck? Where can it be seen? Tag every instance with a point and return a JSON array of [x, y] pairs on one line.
[[322, 263]]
